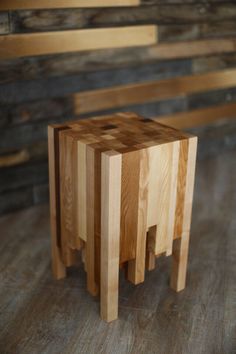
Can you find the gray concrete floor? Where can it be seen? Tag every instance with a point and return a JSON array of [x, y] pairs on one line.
[[39, 315]]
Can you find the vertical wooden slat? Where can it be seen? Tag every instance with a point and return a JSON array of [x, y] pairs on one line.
[[67, 198], [181, 186], [58, 267], [90, 244], [180, 249], [159, 200], [136, 267], [173, 196], [129, 204], [110, 234], [81, 185], [97, 216]]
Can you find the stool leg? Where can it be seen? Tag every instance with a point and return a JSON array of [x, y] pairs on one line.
[[110, 234], [150, 260], [150, 252], [136, 267], [179, 263], [181, 245], [58, 268]]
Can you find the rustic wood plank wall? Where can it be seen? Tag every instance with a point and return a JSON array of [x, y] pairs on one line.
[[192, 38]]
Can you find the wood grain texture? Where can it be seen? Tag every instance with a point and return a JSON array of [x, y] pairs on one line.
[[114, 169], [173, 196], [129, 204], [33, 305], [162, 188], [180, 250], [58, 267], [90, 202], [121, 96], [68, 179], [136, 267], [181, 187], [110, 234], [199, 117], [55, 4], [68, 239], [107, 59], [24, 45], [81, 185], [186, 17]]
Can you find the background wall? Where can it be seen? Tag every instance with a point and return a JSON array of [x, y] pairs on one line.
[[36, 91]]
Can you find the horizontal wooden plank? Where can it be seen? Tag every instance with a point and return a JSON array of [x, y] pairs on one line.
[[190, 49], [174, 14], [14, 158], [170, 29], [21, 45], [45, 88], [124, 95], [56, 4], [199, 117], [74, 63]]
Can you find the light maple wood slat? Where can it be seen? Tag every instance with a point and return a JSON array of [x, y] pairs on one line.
[[180, 247], [90, 203], [97, 219], [153, 186], [161, 186], [110, 234], [55, 4], [199, 117], [119, 96], [173, 196], [23, 45], [136, 267], [59, 270]]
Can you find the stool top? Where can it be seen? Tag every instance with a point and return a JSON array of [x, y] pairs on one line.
[[122, 132]]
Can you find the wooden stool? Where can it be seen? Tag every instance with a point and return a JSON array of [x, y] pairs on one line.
[[121, 190]]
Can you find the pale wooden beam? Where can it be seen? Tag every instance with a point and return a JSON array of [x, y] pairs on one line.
[[181, 245], [110, 233], [151, 91], [199, 117], [57, 4], [23, 45]]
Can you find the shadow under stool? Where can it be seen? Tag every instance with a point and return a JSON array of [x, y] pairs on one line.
[[121, 190]]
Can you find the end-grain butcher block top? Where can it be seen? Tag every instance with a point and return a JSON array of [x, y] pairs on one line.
[[122, 132]]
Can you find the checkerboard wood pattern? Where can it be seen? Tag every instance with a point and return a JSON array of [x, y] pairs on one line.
[[121, 190]]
